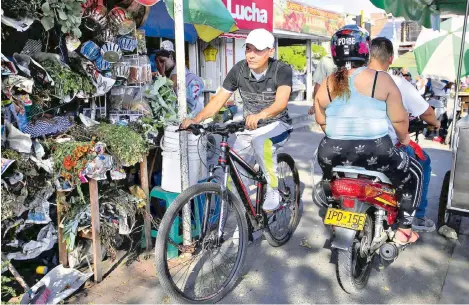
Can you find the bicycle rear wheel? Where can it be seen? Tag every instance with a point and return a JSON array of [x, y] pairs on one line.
[[204, 270], [283, 222]]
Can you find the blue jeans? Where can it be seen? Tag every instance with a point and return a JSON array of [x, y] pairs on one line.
[[427, 173]]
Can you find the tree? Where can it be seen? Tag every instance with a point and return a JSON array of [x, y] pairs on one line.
[[318, 51], [296, 55]]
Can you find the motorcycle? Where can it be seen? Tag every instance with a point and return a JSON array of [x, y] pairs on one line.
[[362, 217]]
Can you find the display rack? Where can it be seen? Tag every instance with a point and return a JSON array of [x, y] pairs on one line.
[[95, 225]]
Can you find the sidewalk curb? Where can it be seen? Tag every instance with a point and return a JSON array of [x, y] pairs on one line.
[[455, 288]]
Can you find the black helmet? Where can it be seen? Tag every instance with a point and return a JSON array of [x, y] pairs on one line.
[[350, 44]]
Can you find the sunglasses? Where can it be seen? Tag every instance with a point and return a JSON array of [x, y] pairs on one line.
[[406, 75]]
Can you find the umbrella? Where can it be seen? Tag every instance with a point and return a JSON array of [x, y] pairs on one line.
[[204, 19], [437, 53], [423, 11], [407, 60]]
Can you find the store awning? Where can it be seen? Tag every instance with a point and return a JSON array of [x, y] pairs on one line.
[[204, 19], [301, 36], [160, 24]]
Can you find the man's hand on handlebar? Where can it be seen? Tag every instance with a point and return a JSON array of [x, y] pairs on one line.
[[187, 122], [252, 120]]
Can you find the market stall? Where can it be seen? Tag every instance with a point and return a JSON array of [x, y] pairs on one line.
[[81, 111]]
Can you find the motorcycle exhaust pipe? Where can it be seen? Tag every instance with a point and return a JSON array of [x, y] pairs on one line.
[[389, 251]]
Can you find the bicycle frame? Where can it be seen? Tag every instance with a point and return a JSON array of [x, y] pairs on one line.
[[227, 161]]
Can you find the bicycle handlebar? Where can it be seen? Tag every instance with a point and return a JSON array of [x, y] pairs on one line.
[[216, 128]]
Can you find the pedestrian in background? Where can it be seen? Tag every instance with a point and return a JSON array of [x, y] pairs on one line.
[[325, 68]]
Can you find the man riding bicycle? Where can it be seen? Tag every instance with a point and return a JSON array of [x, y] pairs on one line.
[[265, 85]]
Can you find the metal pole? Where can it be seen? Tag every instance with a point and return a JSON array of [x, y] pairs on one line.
[[458, 78], [181, 92], [309, 75], [276, 48]]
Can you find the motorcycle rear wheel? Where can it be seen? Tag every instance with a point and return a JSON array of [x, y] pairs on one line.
[[354, 267]]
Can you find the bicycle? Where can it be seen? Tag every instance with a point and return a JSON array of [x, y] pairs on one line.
[[226, 224]]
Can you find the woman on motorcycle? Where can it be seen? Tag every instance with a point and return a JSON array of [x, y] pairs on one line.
[[352, 107]]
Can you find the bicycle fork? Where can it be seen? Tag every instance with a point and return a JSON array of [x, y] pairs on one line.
[[224, 195]]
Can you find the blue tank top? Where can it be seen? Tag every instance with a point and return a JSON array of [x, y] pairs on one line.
[[359, 117]]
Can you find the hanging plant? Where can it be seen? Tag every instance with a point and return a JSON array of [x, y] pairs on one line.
[[163, 102], [127, 146], [66, 81], [20, 9], [66, 13]]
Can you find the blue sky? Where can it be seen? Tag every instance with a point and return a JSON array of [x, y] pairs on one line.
[[345, 6]]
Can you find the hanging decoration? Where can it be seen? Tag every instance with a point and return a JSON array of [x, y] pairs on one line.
[[210, 53]]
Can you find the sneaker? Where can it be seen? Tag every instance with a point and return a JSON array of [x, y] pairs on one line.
[[236, 236], [423, 225], [271, 200]]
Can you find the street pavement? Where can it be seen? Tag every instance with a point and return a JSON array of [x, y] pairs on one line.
[[302, 270]]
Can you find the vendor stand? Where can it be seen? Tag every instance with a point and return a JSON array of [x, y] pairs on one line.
[[79, 111], [55, 144]]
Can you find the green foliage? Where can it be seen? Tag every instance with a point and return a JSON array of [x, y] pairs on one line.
[[66, 13], [127, 146], [293, 55], [318, 51], [163, 102], [7, 291], [296, 55], [20, 9], [66, 81]]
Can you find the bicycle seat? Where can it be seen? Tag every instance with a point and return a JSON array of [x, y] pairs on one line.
[[354, 171]]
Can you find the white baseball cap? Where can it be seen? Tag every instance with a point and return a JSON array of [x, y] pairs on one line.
[[261, 39], [167, 45]]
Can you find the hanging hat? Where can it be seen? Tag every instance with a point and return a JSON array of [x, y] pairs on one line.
[[127, 43], [120, 19], [111, 52], [108, 34], [96, 18], [121, 70], [102, 64], [90, 50]]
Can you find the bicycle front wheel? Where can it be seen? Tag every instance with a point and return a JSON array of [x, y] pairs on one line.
[[206, 267], [283, 222]]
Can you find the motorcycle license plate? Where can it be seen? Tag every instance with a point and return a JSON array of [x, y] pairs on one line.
[[345, 219]]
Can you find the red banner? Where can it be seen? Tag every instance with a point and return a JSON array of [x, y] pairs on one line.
[[252, 14]]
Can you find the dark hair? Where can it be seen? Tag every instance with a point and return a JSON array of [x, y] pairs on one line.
[[340, 80], [163, 53], [381, 49]]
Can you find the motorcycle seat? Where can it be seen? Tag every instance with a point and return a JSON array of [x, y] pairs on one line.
[[355, 171]]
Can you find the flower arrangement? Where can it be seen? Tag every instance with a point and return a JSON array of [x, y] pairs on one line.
[[70, 159]]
